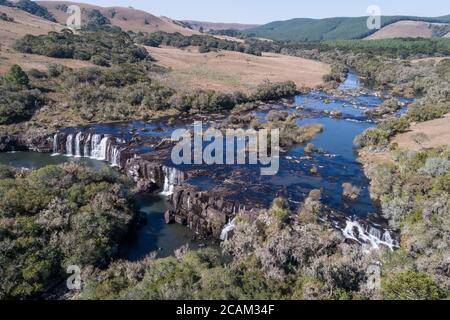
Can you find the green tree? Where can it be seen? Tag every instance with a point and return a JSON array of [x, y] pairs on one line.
[[17, 76], [410, 285]]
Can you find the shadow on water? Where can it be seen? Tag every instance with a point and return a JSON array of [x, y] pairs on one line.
[[154, 234]]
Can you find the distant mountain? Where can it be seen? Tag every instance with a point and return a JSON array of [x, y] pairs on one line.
[[129, 19], [214, 26], [304, 29]]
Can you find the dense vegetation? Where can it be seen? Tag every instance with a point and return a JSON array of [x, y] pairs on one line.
[[101, 47], [30, 7], [429, 78], [280, 255], [121, 92], [18, 102], [304, 29], [414, 194], [55, 217], [205, 42]]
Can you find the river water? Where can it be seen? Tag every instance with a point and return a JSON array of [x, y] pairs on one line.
[[336, 164]]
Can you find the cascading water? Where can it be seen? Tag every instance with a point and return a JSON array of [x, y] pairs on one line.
[[103, 149], [56, 145], [87, 146], [95, 146], [172, 178], [115, 156], [69, 145], [369, 235], [229, 227], [78, 138]]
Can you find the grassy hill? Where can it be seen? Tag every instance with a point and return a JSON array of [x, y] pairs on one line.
[[128, 19], [304, 29]]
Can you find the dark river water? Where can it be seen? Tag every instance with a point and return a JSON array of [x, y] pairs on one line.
[[336, 164]]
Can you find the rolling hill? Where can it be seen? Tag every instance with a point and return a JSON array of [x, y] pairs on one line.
[[208, 26], [23, 23], [129, 19], [304, 29], [413, 29]]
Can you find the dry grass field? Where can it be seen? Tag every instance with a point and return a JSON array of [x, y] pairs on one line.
[[129, 19], [413, 29], [231, 71], [436, 131], [24, 23]]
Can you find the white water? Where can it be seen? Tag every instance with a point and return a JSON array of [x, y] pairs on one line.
[[69, 145], [230, 226], [115, 156], [87, 146], [78, 144], [55, 145], [373, 237], [95, 146], [103, 149], [172, 178]]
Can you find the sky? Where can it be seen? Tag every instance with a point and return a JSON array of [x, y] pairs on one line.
[[264, 11]]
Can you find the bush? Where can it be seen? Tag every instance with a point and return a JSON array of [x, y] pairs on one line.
[[18, 104], [55, 217], [410, 285], [103, 46], [17, 76], [274, 91]]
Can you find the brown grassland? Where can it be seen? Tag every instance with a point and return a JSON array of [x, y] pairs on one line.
[[231, 71]]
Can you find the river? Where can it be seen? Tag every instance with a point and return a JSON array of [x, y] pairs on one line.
[[336, 164]]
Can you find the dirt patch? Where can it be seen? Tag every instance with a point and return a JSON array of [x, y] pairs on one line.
[[231, 71], [437, 133], [430, 134]]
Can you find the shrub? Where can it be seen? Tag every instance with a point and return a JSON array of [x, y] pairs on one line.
[[410, 285], [17, 76]]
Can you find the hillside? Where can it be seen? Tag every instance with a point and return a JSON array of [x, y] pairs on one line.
[[129, 19], [304, 29], [24, 23], [228, 71], [412, 29], [208, 26]]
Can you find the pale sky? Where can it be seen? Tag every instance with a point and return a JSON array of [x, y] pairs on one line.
[[263, 11]]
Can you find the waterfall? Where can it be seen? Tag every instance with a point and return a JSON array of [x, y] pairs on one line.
[[95, 146], [69, 145], [115, 156], [87, 146], [78, 138], [56, 145], [172, 178], [230, 226], [99, 147], [369, 235], [104, 149]]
